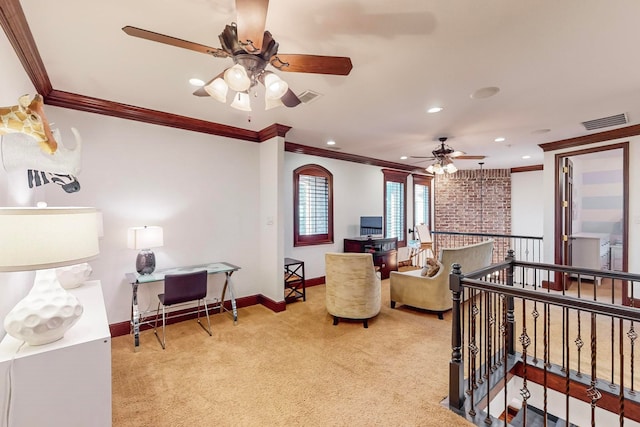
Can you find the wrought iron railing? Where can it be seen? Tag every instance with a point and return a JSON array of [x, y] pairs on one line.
[[526, 248], [526, 349]]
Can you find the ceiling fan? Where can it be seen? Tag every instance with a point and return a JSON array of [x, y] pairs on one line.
[[443, 156], [252, 49]]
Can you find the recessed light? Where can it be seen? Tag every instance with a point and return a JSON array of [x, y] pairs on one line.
[[485, 92], [196, 82], [403, 157], [331, 142], [434, 110], [499, 139], [526, 157]]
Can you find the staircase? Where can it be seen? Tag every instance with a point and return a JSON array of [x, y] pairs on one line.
[[535, 418]]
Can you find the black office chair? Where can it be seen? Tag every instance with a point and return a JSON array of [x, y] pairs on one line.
[[182, 288]]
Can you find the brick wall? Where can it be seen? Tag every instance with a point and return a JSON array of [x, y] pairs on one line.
[[459, 207]]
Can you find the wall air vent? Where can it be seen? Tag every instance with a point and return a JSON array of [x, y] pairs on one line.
[[308, 96], [618, 119]]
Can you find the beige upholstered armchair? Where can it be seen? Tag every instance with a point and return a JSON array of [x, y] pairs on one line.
[[352, 287], [432, 293]]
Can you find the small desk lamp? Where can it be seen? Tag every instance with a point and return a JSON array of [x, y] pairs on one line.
[[143, 239], [42, 239]]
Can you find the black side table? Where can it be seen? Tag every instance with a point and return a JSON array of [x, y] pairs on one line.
[[294, 284]]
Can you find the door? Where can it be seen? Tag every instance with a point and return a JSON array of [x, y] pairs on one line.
[[567, 211], [598, 179]]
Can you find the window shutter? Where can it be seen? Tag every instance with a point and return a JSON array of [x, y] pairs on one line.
[[395, 200], [313, 205], [394, 216]]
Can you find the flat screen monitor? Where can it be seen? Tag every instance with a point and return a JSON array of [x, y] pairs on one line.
[[370, 225]]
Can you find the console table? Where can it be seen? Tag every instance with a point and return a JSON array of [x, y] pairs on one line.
[[157, 276], [384, 251]]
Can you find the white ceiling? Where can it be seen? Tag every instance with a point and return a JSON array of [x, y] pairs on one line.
[[557, 64]]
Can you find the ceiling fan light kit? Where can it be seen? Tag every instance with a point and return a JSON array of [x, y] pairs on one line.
[[237, 78], [252, 49], [443, 156], [241, 101], [275, 86], [272, 103]]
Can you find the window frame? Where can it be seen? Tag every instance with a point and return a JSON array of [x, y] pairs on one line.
[[425, 181], [398, 177], [313, 239]]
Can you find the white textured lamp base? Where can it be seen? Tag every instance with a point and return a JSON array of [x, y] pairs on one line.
[[45, 314], [72, 276]]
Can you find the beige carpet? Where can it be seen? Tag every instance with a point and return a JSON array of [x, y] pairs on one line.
[[288, 369]]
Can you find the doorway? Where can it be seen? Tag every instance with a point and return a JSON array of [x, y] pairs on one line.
[[592, 209]]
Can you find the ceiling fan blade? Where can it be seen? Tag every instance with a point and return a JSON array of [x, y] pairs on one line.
[[201, 92], [252, 18], [470, 157], [338, 65], [172, 41], [289, 99], [423, 157]]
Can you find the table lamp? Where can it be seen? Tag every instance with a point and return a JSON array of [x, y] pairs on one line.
[[143, 239], [43, 239]]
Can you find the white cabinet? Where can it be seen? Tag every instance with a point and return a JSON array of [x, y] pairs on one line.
[[590, 250], [64, 383]]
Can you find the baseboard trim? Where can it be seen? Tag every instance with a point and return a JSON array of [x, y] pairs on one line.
[[124, 328], [275, 306], [314, 281]]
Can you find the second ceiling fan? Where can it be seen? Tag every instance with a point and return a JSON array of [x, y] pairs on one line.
[[443, 155], [252, 49]]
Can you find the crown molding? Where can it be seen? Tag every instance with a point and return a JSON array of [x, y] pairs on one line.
[[338, 155], [609, 135]]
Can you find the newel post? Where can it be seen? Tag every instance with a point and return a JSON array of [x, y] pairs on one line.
[[456, 366], [510, 339]]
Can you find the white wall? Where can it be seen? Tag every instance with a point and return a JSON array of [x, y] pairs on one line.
[[357, 191], [13, 186], [203, 190], [271, 218], [527, 211]]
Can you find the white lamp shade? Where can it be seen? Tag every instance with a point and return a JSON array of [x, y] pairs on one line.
[[237, 78], [241, 101], [272, 103], [217, 89], [41, 238], [275, 86], [451, 168], [144, 237], [437, 169]]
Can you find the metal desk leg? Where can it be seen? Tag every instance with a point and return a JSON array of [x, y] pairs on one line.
[[229, 285], [135, 317]]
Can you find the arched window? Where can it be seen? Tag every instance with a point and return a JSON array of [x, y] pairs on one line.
[[312, 206]]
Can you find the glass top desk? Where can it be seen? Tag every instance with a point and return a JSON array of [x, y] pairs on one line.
[[157, 276]]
